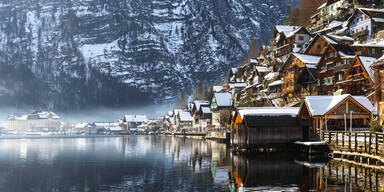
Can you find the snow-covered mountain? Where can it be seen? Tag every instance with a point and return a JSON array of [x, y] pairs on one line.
[[73, 53]]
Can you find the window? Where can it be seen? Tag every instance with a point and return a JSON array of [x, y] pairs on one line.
[[373, 51], [330, 66], [340, 76], [301, 38], [318, 47]]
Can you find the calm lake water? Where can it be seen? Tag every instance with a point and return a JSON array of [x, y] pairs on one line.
[[150, 163]]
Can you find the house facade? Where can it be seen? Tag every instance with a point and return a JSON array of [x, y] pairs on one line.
[[292, 70], [359, 79], [38, 121], [365, 23]]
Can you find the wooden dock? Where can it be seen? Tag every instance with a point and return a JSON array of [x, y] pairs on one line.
[[363, 148]]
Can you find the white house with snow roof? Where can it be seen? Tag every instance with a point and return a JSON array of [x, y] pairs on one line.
[[132, 122], [341, 112], [219, 102], [39, 121], [184, 121]]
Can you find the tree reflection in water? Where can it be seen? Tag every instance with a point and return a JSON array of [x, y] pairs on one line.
[[150, 163]]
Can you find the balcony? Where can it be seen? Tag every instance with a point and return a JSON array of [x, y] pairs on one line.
[[343, 67]]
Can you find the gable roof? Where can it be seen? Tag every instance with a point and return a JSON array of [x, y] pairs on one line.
[[367, 62], [268, 111], [185, 116], [308, 59], [286, 29], [327, 38], [321, 105], [298, 30], [223, 99], [198, 103]]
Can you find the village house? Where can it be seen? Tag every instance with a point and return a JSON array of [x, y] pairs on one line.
[[341, 112], [38, 121], [332, 66], [378, 68], [184, 121], [365, 23], [220, 102], [263, 127], [194, 112], [320, 43], [303, 66], [359, 79], [202, 118], [371, 49], [290, 39], [332, 10], [132, 122]]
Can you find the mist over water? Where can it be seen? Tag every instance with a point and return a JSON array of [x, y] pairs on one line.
[[101, 114]]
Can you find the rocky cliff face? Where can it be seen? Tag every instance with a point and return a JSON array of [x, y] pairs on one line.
[[74, 53]]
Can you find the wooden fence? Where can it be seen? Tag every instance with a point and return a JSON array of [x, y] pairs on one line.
[[359, 141]]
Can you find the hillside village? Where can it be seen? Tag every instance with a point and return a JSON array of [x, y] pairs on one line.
[[329, 73]]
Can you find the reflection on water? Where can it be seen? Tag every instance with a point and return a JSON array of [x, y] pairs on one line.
[[149, 163]]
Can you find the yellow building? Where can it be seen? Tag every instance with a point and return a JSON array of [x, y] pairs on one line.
[[37, 121]]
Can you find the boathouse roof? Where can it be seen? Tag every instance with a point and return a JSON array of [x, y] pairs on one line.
[[268, 111], [320, 105]]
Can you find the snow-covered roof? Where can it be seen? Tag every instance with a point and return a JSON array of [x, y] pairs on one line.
[[253, 61], [35, 115], [136, 118], [342, 38], [320, 105], [106, 124], [262, 69], [308, 59], [185, 116], [268, 111], [237, 85], [217, 88], [294, 32], [80, 125], [331, 41], [379, 20], [271, 75], [206, 110], [370, 44], [322, 6], [286, 29], [223, 99], [198, 103], [367, 62], [278, 82]]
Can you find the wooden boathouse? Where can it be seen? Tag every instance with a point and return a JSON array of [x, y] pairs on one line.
[[336, 113], [265, 127]]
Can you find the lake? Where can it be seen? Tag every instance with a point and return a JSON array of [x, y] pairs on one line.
[[163, 163]]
